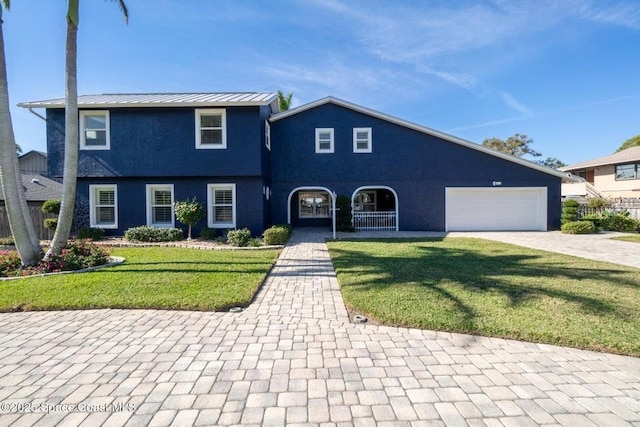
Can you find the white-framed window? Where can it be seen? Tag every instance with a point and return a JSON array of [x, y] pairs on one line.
[[365, 201], [160, 205], [324, 140], [362, 140], [267, 135], [103, 202], [221, 202], [94, 130], [211, 128], [314, 204]]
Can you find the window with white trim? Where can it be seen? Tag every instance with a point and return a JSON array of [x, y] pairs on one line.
[[362, 140], [324, 140], [103, 202], [314, 204], [267, 135], [211, 129], [160, 205], [94, 130], [221, 202]]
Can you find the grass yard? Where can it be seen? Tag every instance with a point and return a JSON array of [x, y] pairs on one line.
[[494, 289], [628, 238], [151, 277]]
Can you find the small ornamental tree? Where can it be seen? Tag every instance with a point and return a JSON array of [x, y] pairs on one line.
[[189, 212]]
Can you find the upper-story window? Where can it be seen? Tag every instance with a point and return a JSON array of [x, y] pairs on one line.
[[267, 135], [324, 140], [628, 171], [160, 205], [94, 130], [362, 140], [211, 129]]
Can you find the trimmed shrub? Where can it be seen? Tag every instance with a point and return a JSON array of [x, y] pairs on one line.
[[344, 218], [569, 211], [596, 219], [208, 233], [276, 235], [255, 242], [578, 227], [90, 233], [153, 234], [619, 222], [51, 207], [51, 223], [239, 237]]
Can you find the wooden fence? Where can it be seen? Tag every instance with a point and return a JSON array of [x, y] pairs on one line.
[[38, 221]]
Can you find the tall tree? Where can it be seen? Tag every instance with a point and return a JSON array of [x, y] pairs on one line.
[[71, 143], [284, 101], [20, 221], [517, 145], [631, 142]]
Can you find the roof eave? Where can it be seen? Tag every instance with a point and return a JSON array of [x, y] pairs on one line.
[[420, 128], [147, 104]]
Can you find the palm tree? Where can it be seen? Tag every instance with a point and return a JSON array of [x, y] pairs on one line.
[[284, 101], [70, 171], [20, 221]]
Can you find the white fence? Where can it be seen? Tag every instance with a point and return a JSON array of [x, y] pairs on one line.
[[378, 221], [632, 208]]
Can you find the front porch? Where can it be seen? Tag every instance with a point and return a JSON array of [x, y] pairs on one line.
[[375, 209]]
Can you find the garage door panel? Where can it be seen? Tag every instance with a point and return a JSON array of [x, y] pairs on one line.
[[496, 209]]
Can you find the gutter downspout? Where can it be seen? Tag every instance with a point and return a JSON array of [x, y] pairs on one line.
[[40, 116]]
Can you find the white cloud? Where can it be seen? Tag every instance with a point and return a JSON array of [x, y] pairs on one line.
[[515, 104]]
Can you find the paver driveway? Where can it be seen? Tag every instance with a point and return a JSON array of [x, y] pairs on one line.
[[293, 358]]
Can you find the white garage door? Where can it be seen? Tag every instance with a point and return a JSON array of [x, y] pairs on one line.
[[496, 209]]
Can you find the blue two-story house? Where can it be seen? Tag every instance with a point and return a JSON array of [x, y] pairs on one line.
[[254, 166]]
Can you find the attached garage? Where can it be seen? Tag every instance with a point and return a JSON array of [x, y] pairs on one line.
[[496, 208]]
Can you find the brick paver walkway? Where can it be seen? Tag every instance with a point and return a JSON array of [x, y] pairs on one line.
[[293, 358]]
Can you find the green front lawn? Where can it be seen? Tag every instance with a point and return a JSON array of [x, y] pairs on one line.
[[493, 289], [151, 277], [628, 238]]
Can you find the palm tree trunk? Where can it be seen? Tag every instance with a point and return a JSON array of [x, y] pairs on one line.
[[10, 172], [70, 172]]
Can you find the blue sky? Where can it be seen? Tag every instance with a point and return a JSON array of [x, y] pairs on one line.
[[566, 73]]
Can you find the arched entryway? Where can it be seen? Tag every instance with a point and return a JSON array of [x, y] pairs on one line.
[[375, 208], [310, 207]]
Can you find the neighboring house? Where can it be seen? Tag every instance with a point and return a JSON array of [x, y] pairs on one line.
[[34, 162], [616, 175], [38, 190], [253, 166]]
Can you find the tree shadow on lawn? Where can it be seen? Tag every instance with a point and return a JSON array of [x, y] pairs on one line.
[[519, 278]]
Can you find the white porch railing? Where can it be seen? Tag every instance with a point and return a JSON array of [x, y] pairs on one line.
[[378, 221]]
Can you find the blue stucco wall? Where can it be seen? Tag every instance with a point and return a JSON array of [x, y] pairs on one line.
[[250, 199], [416, 165], [147, 142]]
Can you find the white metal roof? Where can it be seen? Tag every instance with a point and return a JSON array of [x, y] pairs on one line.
[[629, 155], [423, 129], [116, 100]]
